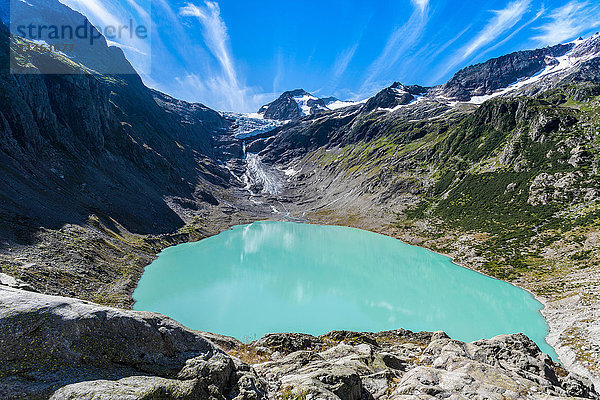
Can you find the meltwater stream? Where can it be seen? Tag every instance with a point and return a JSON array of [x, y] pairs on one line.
[[286, 277]]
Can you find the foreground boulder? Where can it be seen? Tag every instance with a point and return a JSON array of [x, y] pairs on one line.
[[66, 349], [405, 365]]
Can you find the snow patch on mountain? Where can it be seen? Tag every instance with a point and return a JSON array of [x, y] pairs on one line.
[[295, 104], [417, 99], [400, 91], [309, 104], [584, 50], [336, 105]]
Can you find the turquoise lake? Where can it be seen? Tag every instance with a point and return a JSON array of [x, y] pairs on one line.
[[287, 277]]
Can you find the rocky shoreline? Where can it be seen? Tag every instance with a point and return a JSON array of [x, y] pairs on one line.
[[559, 317], [562, 316], [63, 348]]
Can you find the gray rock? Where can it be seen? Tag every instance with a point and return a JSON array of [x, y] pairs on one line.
[[393, 96], [401, 364], [487, 77], [286, 108], [560, 187], [92, 351], [13, 282]]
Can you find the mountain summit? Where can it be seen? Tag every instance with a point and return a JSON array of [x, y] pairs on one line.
[[292, 105], [395, 95]]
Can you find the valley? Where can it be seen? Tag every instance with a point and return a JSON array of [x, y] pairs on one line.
[[497, 168]]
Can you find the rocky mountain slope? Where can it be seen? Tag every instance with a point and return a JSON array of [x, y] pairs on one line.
[[486, 78], [92, 144], [92, 164], [394, 96], [94, 54]]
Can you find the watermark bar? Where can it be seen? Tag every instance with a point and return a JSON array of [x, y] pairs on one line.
[[52, 38]]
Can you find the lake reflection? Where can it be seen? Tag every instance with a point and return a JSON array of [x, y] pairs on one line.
[[286, 277]]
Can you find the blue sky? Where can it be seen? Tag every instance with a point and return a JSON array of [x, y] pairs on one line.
[[237, 55]]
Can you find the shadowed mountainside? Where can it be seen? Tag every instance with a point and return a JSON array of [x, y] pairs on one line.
[[82, 144]]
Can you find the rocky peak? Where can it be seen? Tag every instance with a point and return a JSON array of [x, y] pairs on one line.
[[292, 105], [295, 93], [330, 100], [497, 73], [99, 56], [395, 95], [412, 89], [587, 47]]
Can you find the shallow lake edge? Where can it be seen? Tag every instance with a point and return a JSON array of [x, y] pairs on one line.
[[561, 351]]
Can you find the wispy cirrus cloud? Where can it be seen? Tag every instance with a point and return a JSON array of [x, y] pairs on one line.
[[222, 87], [399, 42], [568, 21], [98, 12], [343, 60], [450, 42], [420, 4], [139, 8], [220, 93], [515, 31], [502, 21], [216, 39]]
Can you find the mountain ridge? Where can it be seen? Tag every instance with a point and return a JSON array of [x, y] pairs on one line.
[[478, 80]]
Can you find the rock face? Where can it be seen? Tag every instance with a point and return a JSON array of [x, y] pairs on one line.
[[82, 144], [100, 57], [293, 105], [402, 365], [394, 96], [62, 348], [67, 349], [487, 77]]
